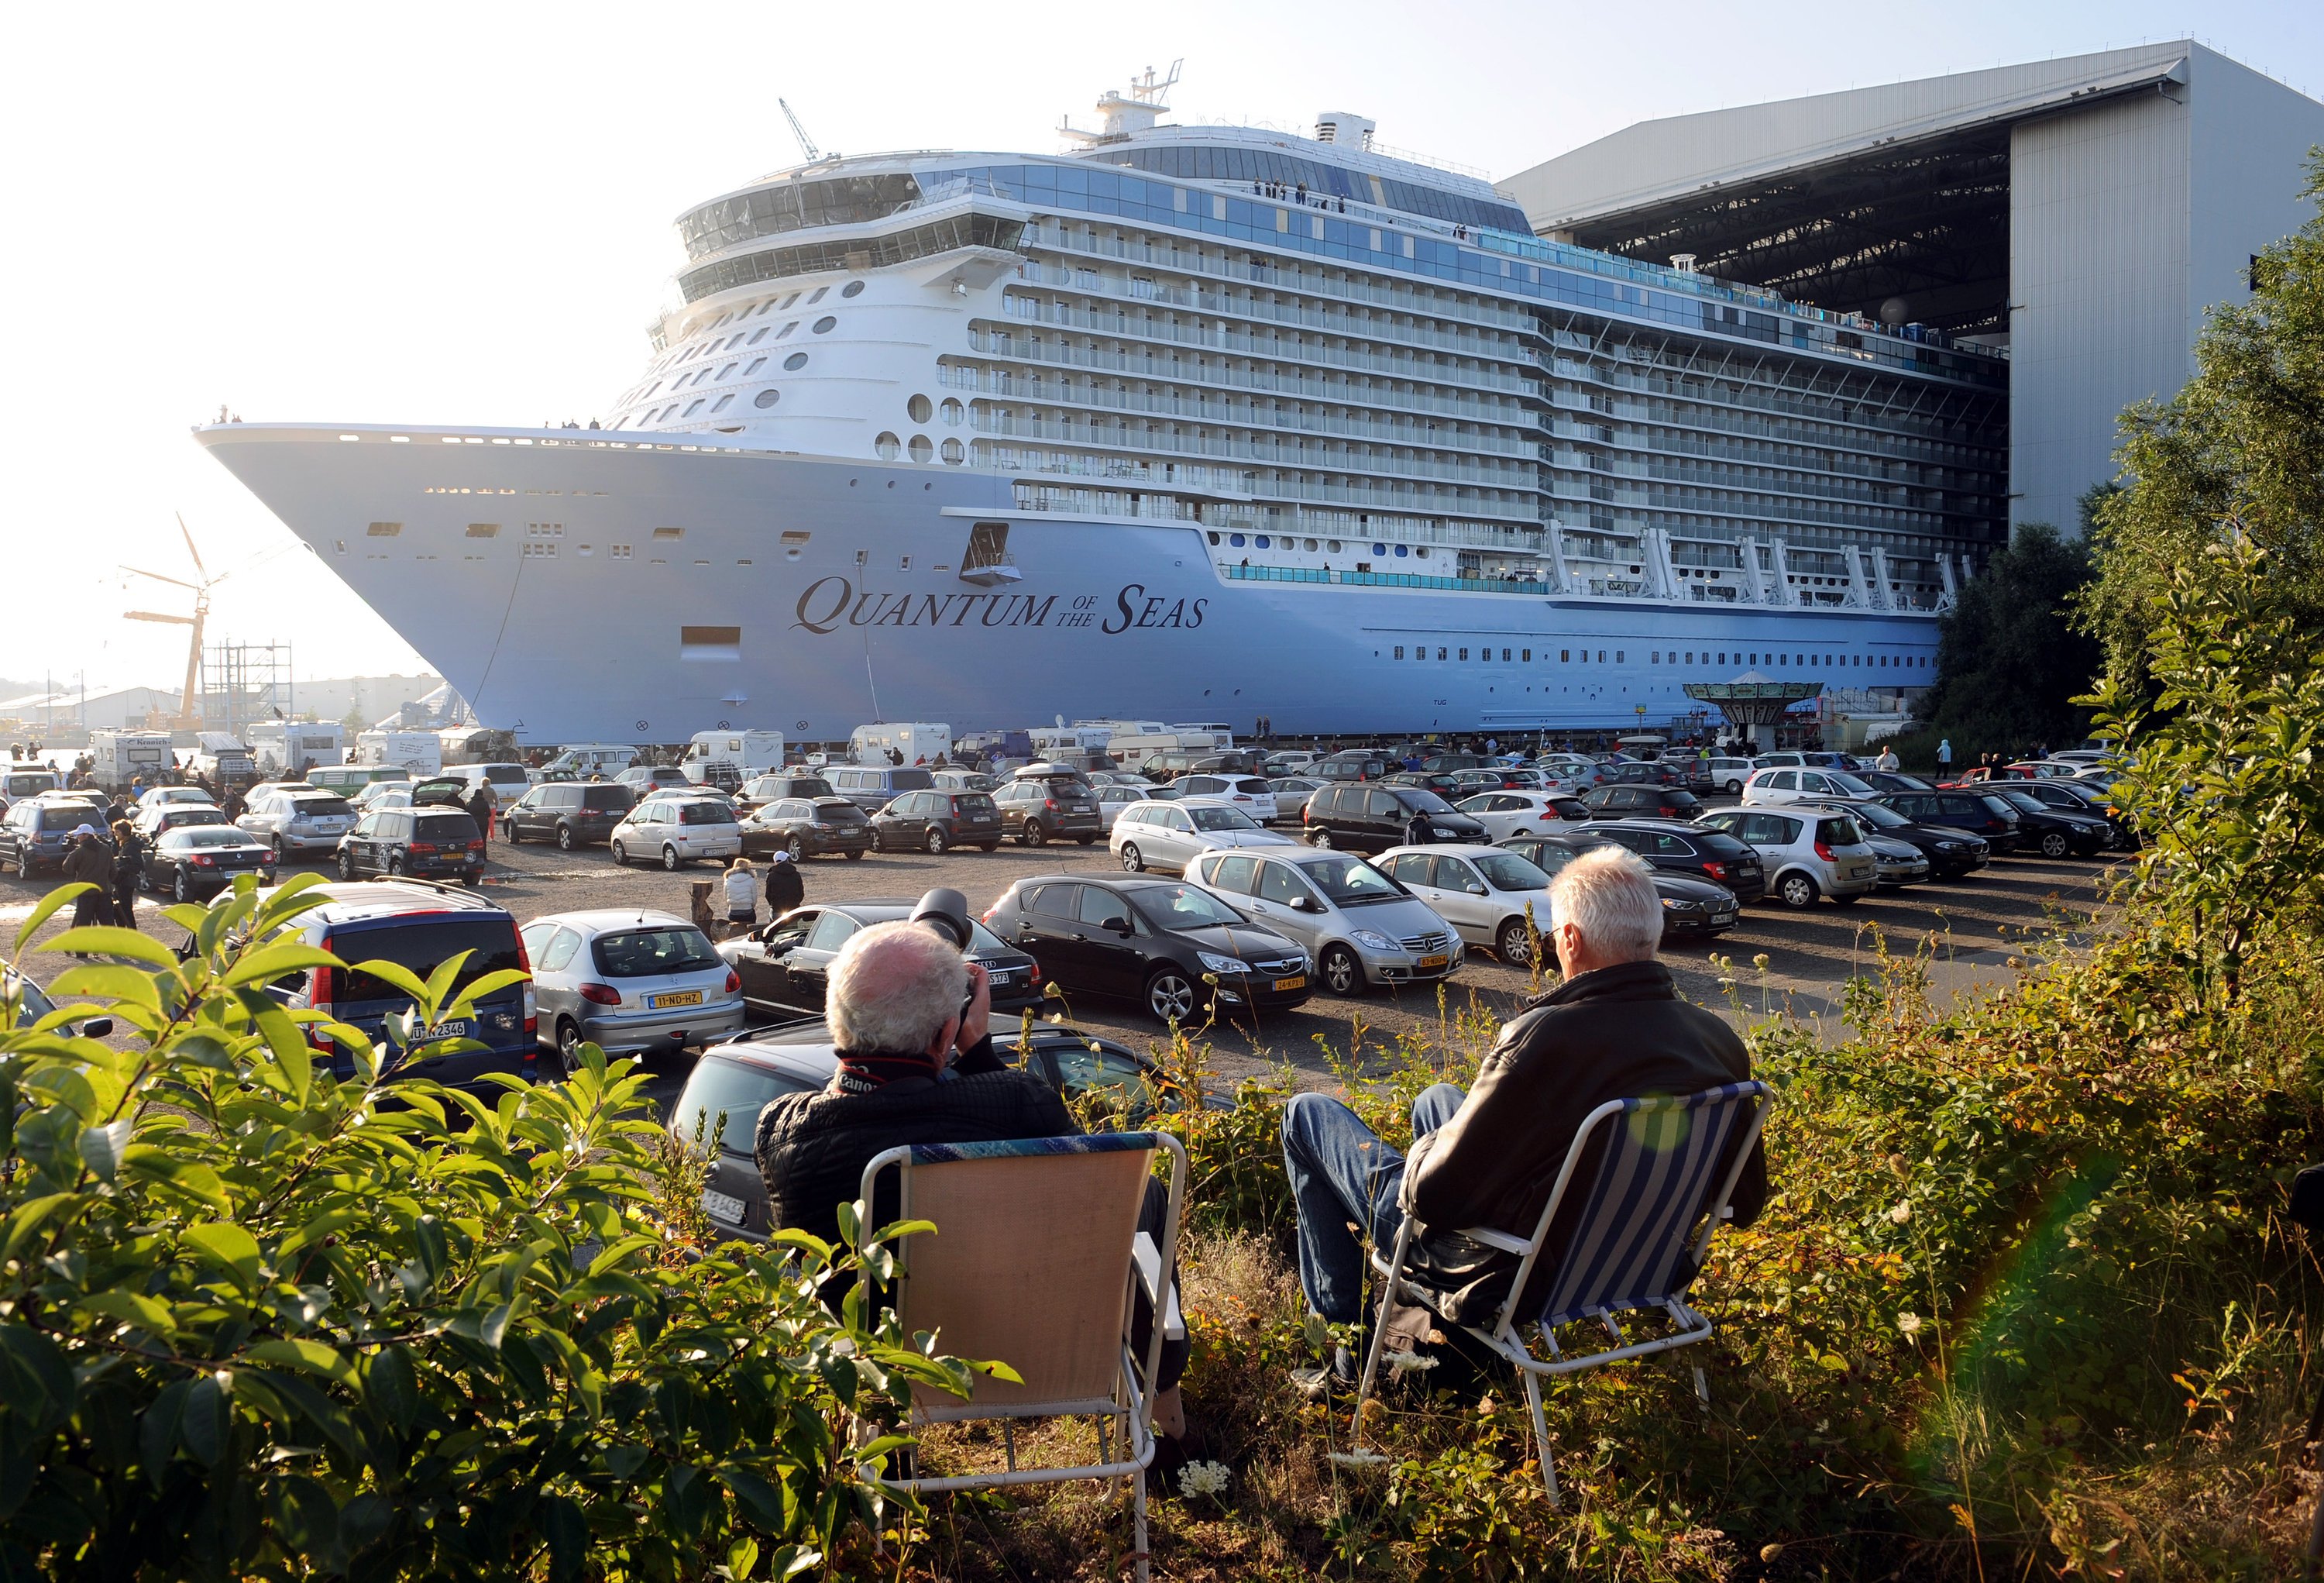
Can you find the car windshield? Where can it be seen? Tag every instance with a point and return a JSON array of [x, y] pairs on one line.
[[974, 802], [726, 1097], [705, 813], [1351, 882], [1221, 818], [1183, 907], [184, 817], [423, 946], [645, 953], [976, 783], [321, 805], [457, 829], [2022, 802], [1506, 871], [31, 1001], [226, 837], [1419, 800], [31, 785], [1838, 832], [1881, 817]]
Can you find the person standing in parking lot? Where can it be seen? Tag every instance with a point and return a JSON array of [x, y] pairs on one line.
[[89, 862], [128, 862], [742, 882], [785, 888], [479, 809]]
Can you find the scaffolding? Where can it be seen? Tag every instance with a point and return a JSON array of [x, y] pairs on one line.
[[245, 683]]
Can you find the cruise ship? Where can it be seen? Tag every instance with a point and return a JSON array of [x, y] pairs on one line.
[[1188, 421]]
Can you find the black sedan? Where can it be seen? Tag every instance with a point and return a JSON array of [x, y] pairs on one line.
[[2052, 831], [197, 861], [1641, 801], [932, 821], [1886, 780], [1691, 904], [786, 966], [1952, 852], [1678, 846], [1173, 948], [2074, 795]]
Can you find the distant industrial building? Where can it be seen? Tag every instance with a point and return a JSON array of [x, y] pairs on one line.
[[114, 710], [2081, 214]]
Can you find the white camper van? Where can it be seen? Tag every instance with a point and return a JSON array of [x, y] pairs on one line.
[[728, 758], [119, 757], [221, 756], [284, 747], [908, 744], [417, 750], [584, 759]]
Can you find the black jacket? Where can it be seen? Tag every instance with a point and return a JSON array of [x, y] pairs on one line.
[[1618, 1033], [812, 1148], [785, 889]]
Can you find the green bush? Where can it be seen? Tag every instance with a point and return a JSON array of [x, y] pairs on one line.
[[258, 1323]]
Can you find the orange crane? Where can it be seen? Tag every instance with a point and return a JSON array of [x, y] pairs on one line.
[[189, 701]]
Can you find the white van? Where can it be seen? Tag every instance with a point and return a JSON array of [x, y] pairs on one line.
[[584, 759], [1221, 734], [119, 757], [417, 751], [476, 744], [728, 758], [220, 756], [1068, 741], [509, 781], [909, 744]]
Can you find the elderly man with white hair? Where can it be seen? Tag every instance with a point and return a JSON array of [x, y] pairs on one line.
[[1614, 1029]]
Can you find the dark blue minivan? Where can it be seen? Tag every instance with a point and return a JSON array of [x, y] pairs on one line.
[[418, 926]]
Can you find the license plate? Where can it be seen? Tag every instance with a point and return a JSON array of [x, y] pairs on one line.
[[1296, 981], [677, 998], [723, 1206], [1428, 962], [461, 1029], [1722, 917]]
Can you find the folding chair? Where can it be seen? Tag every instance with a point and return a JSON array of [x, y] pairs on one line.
[[1036, 1244], [1656, 1178]]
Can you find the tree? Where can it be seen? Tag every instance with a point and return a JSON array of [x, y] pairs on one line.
[[2234, 454], [2009, 662], [353, 719]]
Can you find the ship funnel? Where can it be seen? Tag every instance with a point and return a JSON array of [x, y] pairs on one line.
[[1339, 127]]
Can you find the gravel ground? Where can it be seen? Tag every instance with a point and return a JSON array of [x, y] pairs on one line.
[[1979, 925]]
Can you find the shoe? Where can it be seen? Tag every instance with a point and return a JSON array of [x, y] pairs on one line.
[[1334, 1381]]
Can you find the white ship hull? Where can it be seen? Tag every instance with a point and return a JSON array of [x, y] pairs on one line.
[[558, 636]]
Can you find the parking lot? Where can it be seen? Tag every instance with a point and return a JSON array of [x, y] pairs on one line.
[[1978, 923]]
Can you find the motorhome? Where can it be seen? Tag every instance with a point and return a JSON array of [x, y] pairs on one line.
[[1082, 737], [221, 756], [288, 748], [118, 758], [419, 751], [1221, 734], [584, 759], [905, 743], [726, 759], [476, 744]]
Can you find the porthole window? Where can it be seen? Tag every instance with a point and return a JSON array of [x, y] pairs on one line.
[[1421, 552], [1311, 544], [851, 289], [796, 361], [953, 453], [1402, 551], [919, 409], [952, 412], [1235, 541], [921, 449], [825, 325], [887, 447], [1379, 549], [1333, 545], [1262, 540], [767, 398]]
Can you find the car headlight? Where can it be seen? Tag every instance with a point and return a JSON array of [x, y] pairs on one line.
[[1223, 964], [1949, 846], [1372, 940]]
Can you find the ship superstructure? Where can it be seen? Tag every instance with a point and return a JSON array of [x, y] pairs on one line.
[[1331, 406]]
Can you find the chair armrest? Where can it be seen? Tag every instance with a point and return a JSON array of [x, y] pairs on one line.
[[1498, 1239], [1148, 1258]]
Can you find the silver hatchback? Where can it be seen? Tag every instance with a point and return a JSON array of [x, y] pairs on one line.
[[1359, 925], [632, 982]]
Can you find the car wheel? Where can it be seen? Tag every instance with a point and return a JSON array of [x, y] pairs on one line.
[[1131, 859], [347, 867], [568, 1046], [1846, 900], [2053, 844], [1735, 788], [1171, 996], [395, 868], [621, 856], [937, 842], [515, 837], [1035, 836], [1343, 974], [145, 881], [1322, 838], [565, 838], [670, 861], [855, 857], [281, 852], [1513, 945], [1085, 840], [797, 847], [179, 890], [1796, 890], [23, 863]]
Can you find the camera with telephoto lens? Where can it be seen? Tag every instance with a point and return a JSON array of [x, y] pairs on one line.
[[946, 911]]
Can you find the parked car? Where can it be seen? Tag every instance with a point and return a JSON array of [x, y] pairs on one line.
[[872, 787], [159, 796], [1806, 853], [18, 781], [1491, 897], [1447, 763], [1504, 813], [1112, 799], [1445, 783], [2054, 832], [26, 1002], [1951, 853], [1291, 794], [1570, 770], [631, 981], [1056, 803], [777, 785], [150, 822], [1635, 773], [1172, 947], [305, 820], [1624, 801], [1367, 817], [419, 928], [1886, 780], [1253, 795], [642, 779], [1895, 863], [1357, 925], [193, 865], [734, 1081], [1676, 847], [1783, 785], [786, 965], [1722, 774], [570, 813], [936, 819], [2073, 794], [419, 842], [678, 831], [1982, 814], [1363, 766], [807, 827], [1691, 905], [35, 830], [1169, 835], [965, 781]]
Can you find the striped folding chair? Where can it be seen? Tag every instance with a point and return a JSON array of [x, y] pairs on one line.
[[1634, 1245], [1036, 1244]]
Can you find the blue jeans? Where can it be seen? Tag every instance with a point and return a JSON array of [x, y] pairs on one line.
[[1341, 1172]]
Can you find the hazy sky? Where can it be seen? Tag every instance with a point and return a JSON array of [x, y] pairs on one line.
[[462, 213]]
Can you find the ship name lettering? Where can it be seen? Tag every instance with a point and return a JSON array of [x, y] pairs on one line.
[[826, 601], [1156, 612]]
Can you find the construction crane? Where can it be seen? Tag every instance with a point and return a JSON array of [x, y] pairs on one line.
[[189, 701], [807, 144]]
